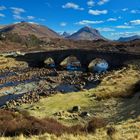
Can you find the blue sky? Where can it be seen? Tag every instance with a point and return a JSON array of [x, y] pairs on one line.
[[114, 18]]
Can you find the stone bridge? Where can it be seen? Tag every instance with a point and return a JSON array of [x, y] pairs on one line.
[[114, 59]]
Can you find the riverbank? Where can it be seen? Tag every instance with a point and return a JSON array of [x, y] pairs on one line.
[[75, 98]]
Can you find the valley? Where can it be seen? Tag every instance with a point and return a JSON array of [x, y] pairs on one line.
[[71, 88]]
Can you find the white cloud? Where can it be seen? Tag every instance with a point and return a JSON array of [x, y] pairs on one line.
[[42, 19], [90, 3], [106, 29], [17, 11], [71, 5], [87, 22], [18, 17], [125, 9], [102, 2], [135, 22], [2, 15], [112, 19], [125, 34], [126, 23], [2, 8], [30, 17], [63, 24], [135, 11], [34, 23], [124, 27], [119, 17], [97, 12]]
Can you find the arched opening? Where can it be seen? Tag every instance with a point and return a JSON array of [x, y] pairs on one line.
[[71, 63], [49, 62], [98, 65]]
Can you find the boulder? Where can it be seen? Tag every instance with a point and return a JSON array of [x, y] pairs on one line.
[[76, 109], [85, 114]]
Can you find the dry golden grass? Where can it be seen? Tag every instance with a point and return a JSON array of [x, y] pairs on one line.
[[129, 130], [10, 63], [117, 84]]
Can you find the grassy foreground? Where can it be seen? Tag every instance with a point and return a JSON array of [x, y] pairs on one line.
[[129, 130], [116, 84]]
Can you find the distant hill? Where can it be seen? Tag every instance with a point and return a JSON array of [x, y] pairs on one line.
[[65, 35], [25, 29], [86, 33], [1, 26], [131, 38]]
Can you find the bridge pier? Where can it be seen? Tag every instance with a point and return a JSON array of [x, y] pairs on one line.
[[39, 64]]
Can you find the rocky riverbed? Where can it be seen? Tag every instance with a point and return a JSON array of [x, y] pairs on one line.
[[25, 85]]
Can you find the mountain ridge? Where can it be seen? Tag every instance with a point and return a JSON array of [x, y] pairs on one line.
[[130, 38], [86, 33], [25, 29]]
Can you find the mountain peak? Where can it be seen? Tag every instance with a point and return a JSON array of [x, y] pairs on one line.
[[87, 33], [65, 34]]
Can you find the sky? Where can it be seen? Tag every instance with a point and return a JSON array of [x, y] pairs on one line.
[[113, 18]]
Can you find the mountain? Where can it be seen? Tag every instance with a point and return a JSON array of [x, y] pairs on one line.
[[25, 29], [1, 26], [65, 35], [131, 38], [86, 33]]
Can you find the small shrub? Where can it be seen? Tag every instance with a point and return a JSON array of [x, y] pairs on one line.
[[14, 124], [110, 131], [94, 124]]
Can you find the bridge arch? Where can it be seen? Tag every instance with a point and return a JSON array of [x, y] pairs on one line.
[[98, 65], [70, 61], [49, 62]]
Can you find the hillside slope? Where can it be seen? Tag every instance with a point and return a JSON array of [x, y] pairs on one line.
[[25, 29]]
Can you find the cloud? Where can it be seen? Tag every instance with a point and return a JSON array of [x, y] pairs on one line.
[[102, 2], [112, 19], [106, 29], [125, 9], [90, 3], [42, 19], [18, 17], [124, 27], [87, 22], [2, 8], [63, 24], [17, 11], [71, 5], [97, 12], [135, 11], [135, 22], [33, 23], [2, 15], [125, 34], [30, 17]]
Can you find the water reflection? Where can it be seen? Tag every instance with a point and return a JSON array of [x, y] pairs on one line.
[[52, 65], [71, 67], [100, 67]]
